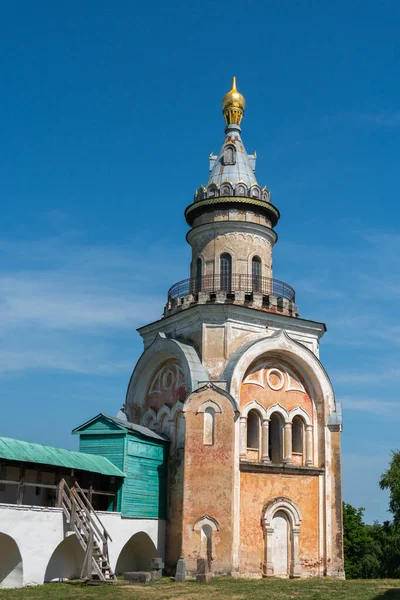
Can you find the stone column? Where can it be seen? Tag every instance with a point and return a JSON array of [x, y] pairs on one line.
[[287, 443], [309, 445], [264, 441], [268, 567], [243, 438], [296, 566]]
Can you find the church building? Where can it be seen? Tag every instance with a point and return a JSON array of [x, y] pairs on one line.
[[231, 376]]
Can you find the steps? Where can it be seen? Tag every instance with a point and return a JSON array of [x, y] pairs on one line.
[[89, 530]]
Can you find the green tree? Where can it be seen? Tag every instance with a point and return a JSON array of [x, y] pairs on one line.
[[390, 480], [361, 551]]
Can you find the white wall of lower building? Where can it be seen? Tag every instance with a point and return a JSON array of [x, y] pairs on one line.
[[35, 544]]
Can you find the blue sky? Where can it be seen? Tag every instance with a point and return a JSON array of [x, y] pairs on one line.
[[108, 112]]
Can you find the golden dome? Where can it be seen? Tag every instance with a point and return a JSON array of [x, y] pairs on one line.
[[233, 104]]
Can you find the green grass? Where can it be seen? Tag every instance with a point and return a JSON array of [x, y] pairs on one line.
[[218, 589]]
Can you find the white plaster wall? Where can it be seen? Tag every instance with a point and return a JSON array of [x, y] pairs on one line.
[[38, 532], [121, 530]]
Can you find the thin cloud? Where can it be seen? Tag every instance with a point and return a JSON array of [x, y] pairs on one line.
[[374, 405], [59, 301]]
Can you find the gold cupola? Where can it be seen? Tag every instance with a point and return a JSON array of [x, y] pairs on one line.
[[233, 104]]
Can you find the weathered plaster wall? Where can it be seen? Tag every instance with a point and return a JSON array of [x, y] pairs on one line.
[[209, 481], [335, 557], [256, 490]]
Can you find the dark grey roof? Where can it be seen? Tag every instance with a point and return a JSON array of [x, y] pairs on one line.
[[137, 428]]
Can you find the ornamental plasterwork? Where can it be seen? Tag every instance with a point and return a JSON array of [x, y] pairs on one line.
[[250, 237], [169, 377], [276, 377]]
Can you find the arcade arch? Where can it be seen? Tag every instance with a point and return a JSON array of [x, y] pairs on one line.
[[11, 567], [137, 554]]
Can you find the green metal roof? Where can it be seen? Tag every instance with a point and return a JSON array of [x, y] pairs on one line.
[[20, 451]]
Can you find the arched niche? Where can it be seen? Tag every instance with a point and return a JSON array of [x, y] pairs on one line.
[[11, 567], [66, 561], [153, 358], [137, 554], [280, 346]]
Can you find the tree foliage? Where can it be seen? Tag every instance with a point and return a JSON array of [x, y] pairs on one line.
[[373, 551], [360, 550], [390, 480]]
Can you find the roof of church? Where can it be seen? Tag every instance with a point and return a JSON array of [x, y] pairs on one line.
[[21, 451], [123, 424], [137, 428], [232, 179], [243, 170]]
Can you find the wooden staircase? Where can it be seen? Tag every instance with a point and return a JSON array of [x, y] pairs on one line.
[[91, 533]]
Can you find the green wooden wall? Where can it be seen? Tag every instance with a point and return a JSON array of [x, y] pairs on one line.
[[145, 488], [143, 493], [111, 446]]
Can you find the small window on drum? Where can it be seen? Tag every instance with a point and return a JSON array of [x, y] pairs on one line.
[[256, 274], [226, 272], [199, 274]]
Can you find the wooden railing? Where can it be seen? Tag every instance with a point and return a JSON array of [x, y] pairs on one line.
[[89, 530]]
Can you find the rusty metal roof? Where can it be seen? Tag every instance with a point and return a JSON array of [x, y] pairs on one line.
[[20, 451]]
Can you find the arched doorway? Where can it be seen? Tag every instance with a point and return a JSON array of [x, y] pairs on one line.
[[137, 554], [280, 544], [11, 573], [66, 561], [282, 520]]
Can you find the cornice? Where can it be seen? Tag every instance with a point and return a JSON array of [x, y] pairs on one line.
[[196, 207], [222, 313], [256, 467]]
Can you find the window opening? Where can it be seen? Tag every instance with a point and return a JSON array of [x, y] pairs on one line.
[[297, 435], [276, 438], [226, 272], [199, 269], [253, 430], [256, 273], [209, 421]]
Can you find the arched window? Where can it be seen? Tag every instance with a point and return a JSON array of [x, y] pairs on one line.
[[297, 435], [229, 155], [253, 430], [209, 419], [199, 274], [226, 271], [256, 273], [276, 438]]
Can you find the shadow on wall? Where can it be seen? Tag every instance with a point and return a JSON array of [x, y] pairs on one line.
[[137, 554], [11, 574], [66, 561]]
